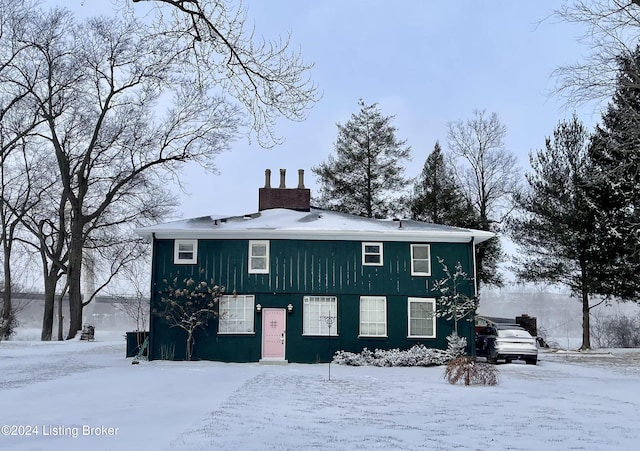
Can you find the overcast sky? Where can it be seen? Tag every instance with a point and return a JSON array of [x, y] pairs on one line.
[[426, 62]]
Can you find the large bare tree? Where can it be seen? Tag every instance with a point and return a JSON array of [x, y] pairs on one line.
[[122, 105], [267, 77], [489, 175], [107, 80], [611, 30]]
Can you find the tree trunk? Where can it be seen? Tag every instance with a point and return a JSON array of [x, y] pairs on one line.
[[189, 338], [47, 317], [6, 319], [60, 319], [74, 279], [586, 328], [49, 304]]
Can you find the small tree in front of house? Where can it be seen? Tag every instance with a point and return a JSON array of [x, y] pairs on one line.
[[454, 303], [190, 306]]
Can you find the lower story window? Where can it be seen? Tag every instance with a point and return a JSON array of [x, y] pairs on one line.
[[320, 315], [373, 316], [422, 318], [236, 314]]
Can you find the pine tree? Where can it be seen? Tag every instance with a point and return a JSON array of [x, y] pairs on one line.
[[614, 191], [554, 224], [365, 177], [436, 195]]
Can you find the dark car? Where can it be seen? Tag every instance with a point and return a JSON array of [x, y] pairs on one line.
[[506, 342]]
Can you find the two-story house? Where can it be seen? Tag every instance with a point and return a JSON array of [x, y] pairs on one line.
[[302, 283]]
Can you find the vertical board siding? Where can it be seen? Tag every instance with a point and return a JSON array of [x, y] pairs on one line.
[[299, 268], [311, 267]]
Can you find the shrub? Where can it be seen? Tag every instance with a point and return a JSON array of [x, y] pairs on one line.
[[456, 345], [418, 355], [616, 331], [466, 369]]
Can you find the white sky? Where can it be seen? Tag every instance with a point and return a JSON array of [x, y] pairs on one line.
[[427, 63]]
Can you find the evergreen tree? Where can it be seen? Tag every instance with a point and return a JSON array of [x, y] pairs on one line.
[[554, 225], [365, 177], [436, 195], [614, 191]]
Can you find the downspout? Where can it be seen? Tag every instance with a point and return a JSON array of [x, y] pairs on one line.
[[472, 340], [151, 296], [475, 269]]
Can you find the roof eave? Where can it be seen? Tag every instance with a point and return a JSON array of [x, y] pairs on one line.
[[463, 236]]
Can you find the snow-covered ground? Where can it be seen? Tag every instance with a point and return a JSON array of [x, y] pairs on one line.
[[87, 396]]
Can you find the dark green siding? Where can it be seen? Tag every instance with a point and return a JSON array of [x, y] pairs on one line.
[[299, 268]]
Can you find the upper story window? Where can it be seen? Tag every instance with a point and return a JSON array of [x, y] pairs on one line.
[[372, 254], [185, 252], [420, 260], [258, 257]]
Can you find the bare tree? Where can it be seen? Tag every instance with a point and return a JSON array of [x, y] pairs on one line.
[[46, 234], [189, 305], [122, 105], [136, 306], [23, 189], [265, 76], [611, 31], [489, 176], [111, 148], [457, 301], [17, 122]]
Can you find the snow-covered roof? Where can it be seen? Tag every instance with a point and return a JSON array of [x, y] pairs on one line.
[[317, 224]]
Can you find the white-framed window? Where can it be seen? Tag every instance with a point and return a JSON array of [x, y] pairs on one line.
[[258, 257], [420, 260], [372, 254], [373, 316], [320, 315], [422, 317], [185, 252], [236, 314]]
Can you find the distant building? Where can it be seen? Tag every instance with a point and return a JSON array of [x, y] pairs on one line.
[[308, 282]]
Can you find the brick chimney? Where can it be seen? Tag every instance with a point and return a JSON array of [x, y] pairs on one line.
[[282, 197]]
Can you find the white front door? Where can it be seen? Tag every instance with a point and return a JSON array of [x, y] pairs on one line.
[[273, 333]]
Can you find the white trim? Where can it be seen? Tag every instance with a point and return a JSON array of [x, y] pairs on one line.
[[380, 253], [431, 301], [360, 334], [177, 251], [317, 235], [420, 273], [265, 257]]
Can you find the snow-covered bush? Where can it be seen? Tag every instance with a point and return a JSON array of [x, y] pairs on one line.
[[456, 345], [418, 355], [467, 370]]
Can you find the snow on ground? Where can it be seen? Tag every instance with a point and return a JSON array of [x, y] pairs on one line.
[[86, 395]]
